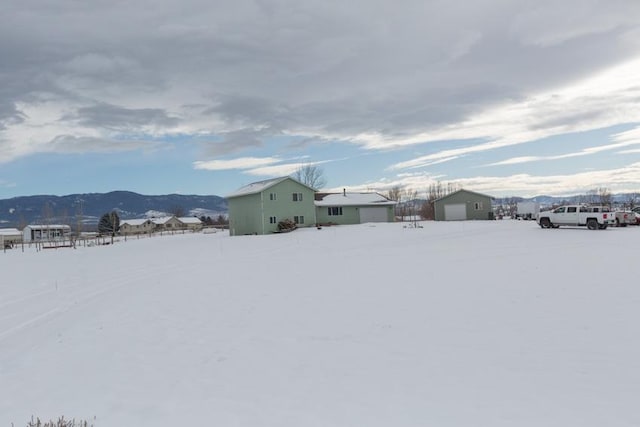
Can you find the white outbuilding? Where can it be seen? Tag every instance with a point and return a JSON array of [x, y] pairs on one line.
[[45, 233], [9, 237]]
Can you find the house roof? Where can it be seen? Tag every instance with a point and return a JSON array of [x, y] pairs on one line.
[[259, 186], [133, 221], [161, 220], [189, 220], [352, 199], [49, 227], [10, 232], [465, 191]]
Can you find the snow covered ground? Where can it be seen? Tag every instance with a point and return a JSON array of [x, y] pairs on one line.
[[455, 324]]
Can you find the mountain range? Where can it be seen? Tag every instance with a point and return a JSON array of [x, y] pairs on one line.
[[87, 209]]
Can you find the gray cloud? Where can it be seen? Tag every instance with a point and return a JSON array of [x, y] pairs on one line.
[[234, 142], [264, 69], [73, 144], [122, 119], [9, 115]]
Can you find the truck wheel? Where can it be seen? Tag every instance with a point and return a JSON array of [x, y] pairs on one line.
[[545, 223], [592, 224]]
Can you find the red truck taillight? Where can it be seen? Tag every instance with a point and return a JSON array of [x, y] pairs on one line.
[[604, 216]]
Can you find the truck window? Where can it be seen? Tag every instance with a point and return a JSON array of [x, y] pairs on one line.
[[583, 209], [571, 209], [559, 210]]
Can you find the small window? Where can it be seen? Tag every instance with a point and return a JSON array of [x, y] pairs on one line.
[[477, 206], [571, 209], [272, 220], [335, 211], [272, 196], [297, 197], [298, 219]]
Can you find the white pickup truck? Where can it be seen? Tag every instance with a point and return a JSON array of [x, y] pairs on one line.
[[620, 218], [576, 215]]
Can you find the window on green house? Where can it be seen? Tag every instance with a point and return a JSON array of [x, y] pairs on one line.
[[478, 206], [272, 220], [335, 211], [297, 197], [298, 219], [272, 196]]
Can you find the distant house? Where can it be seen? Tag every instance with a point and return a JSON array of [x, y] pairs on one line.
[[39, 232], [9, 237], [190, 223], [136, 226], [258, 207], [353, 208], [463, 205], [166, 223]]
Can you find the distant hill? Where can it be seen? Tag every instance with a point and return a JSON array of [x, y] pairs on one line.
[[620, 198], [88, 208]]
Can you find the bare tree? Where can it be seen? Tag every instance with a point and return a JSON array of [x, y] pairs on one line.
[[600, 195], [47, 214], [79, 216], [310, 175], [177, 211], [434, 192], [604, 196], [410, 204], [47, 220], [22, 222], [395, 193]]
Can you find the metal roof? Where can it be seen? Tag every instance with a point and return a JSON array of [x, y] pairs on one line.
[[353, 199], [259, 186]]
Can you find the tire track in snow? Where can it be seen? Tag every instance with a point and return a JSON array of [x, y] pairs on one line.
[[31, 321], [26, 298], [124, 278]]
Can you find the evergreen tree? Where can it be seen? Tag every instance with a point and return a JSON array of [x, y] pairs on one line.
[[109, 223]]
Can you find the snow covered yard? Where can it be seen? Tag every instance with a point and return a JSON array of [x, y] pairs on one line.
[[496, 323]]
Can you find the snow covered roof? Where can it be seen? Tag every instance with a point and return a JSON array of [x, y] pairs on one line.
[[161, 220], [48, 227], [133, 221], [259, 186], [256, 187], [353, 199], [189, 220], [465, 191], [10, 232]]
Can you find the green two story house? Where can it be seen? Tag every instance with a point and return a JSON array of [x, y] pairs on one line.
[[257, 208]]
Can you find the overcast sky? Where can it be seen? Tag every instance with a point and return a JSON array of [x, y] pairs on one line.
[[503, 97]]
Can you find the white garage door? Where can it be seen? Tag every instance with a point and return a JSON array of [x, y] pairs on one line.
[[455, 212], [373, 215]]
